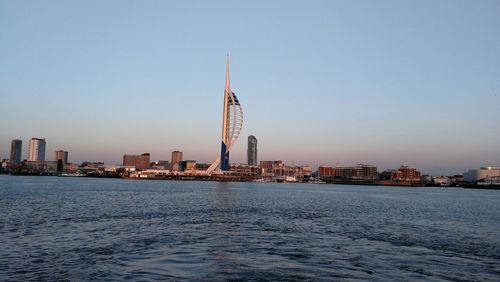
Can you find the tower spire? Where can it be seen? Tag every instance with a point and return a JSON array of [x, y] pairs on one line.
[[232, 123], [228, 87]]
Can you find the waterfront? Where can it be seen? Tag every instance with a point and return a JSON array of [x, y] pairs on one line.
[[55, 228]]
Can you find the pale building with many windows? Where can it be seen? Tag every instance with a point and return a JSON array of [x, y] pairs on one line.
[[36, 151]]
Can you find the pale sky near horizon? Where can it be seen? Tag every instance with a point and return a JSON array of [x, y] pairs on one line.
[[321, 82]]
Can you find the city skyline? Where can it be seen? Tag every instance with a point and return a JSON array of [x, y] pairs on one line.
[[383, 83]]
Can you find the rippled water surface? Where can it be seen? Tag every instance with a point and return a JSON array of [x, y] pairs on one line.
[[111, 229]]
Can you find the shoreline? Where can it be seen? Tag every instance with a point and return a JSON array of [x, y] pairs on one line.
[[233, 178]]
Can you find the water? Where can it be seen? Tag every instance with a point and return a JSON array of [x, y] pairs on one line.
[[111, 229]]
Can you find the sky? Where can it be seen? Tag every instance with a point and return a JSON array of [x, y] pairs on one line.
[[321, 82]]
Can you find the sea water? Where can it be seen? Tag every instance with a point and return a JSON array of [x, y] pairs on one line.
[[57, 228]]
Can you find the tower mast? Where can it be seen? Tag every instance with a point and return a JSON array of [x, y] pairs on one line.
[[224, 153], [232, 123]]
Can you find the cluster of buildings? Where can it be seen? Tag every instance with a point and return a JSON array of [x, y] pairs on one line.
[[134, 166], [404, 175], [36, 162], [142, 167], [364, 173], [143, 162]]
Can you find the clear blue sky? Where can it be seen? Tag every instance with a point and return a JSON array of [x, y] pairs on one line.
[[321, 82]]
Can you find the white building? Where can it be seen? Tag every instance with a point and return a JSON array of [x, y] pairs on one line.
[[442, 181], [36, 150], [153, 173], [484, 173]]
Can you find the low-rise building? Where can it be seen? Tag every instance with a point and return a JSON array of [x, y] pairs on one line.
[[481, 174], [162, 163], [141, 162], [247, 170], [190, 165], [269, 166], [40, 166], [187, 165], [71, 168], [202, 166], [358, 172], [442, 181], [325, 171], [152, 173], [456, 180], [5, 165], [307, 172], [406, 174]]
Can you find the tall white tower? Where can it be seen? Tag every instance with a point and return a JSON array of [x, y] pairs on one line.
[[232, 123], [36, 150]]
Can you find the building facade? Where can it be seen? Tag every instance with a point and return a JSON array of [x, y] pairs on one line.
[[442, 181], [176, 157], [270, 166], [358, 172], [162, 164], [36, 151], [481, 174], [190, 165], [325, 171], [247, 170], [252, 150], [16, 151], [61, 155], [140, 162], [407, 174]]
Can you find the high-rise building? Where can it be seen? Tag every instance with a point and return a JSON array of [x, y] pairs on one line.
[[61, 156], [176, 157], [36, 150], [252, 150], [140, 162], [232, 123], [15, 151]]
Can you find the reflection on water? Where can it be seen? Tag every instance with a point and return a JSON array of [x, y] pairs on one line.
[[226, 199], [109, 229]]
